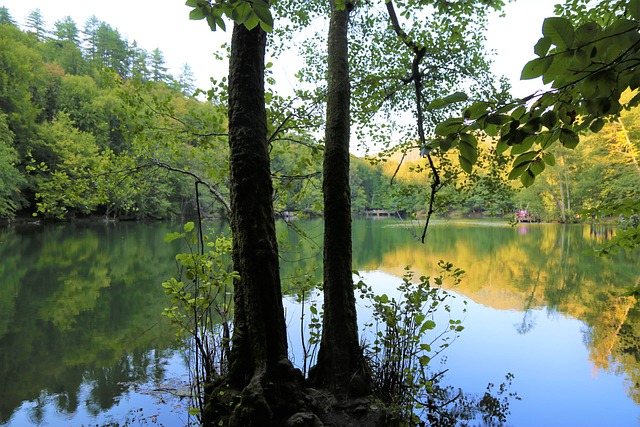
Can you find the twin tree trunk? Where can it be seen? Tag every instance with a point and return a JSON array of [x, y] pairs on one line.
[[340, 366], [259, 365]]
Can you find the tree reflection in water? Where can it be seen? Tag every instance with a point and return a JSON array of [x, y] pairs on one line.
[[81, 304], [83, 318]]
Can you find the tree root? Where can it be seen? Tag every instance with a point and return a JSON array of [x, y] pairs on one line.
[[280, 399]]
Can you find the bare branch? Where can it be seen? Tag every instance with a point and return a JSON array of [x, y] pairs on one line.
[[436, 185], [199, 180], [416, 77], [292, 177]]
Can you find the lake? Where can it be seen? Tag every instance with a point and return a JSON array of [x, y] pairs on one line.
[[82, 341]]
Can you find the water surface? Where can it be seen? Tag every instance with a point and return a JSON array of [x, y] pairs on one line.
[[82, 340]]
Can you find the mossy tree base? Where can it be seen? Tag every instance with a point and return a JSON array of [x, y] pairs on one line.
[[288, 403]]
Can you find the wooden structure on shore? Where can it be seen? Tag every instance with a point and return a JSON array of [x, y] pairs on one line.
[[377, 213], [525, 216]]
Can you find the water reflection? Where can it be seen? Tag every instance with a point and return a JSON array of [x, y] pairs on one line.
[[539, 289], [81, 309], [81, 317]]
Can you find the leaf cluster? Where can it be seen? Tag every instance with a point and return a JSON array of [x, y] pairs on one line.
[[588, 67], [250, 13], [405, 337]]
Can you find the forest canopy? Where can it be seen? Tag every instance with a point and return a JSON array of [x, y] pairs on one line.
[[91, 124]]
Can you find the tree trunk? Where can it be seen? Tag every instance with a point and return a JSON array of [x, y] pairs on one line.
[[258, 364], [340, 366]]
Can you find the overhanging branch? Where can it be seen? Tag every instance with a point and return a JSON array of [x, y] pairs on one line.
[[416, 77], [199, 180]]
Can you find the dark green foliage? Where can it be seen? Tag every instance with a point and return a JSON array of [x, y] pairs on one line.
[[36, 25], [84, 133], [5, 16], [12, 181]]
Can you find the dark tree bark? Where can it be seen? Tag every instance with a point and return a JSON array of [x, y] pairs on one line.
[[265, 383], [340, 366]]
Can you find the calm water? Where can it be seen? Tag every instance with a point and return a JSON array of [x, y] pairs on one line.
[[82, 341]]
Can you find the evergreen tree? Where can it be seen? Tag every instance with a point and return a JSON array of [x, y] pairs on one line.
[[111, 50], [185, 80], [66, 30], [35, 23], [158, 68], [139, 63], [90, 37], [5, 16]]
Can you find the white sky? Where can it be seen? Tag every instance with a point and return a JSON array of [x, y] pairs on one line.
[[165, 24]]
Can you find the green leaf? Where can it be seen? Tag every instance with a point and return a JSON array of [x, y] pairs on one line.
[[596, 125], [547, 139], [634, 9], [527, 178], [491, 130], [429, 325], [524, 158], [561, 64], [549, 119], [241, 12], [424, 360], [581, 60], [519, 112], [549, 158], [468, 152], [263, 13], [569, 138], [265, 27], [446, 143], [537, 166], [536, 68], [447, 100], [498, 119], [533, 126], [170, 237], [220, 22], [469, 140], [252, 21], [476, 110], [465, 164], [194, 411], [560, 31], [192, 3], [196, 14], [189, 226], [586, 33], [449, 126], [523, 146], [542, 47], [518, 170], [501, 146]]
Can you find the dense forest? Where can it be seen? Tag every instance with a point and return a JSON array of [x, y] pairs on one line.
[[91, 124]]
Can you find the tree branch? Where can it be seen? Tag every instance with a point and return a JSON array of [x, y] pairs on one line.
[[188, 127], [199, 180], [416, 77]]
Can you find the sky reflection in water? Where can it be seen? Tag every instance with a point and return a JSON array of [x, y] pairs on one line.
[[544, 313]]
